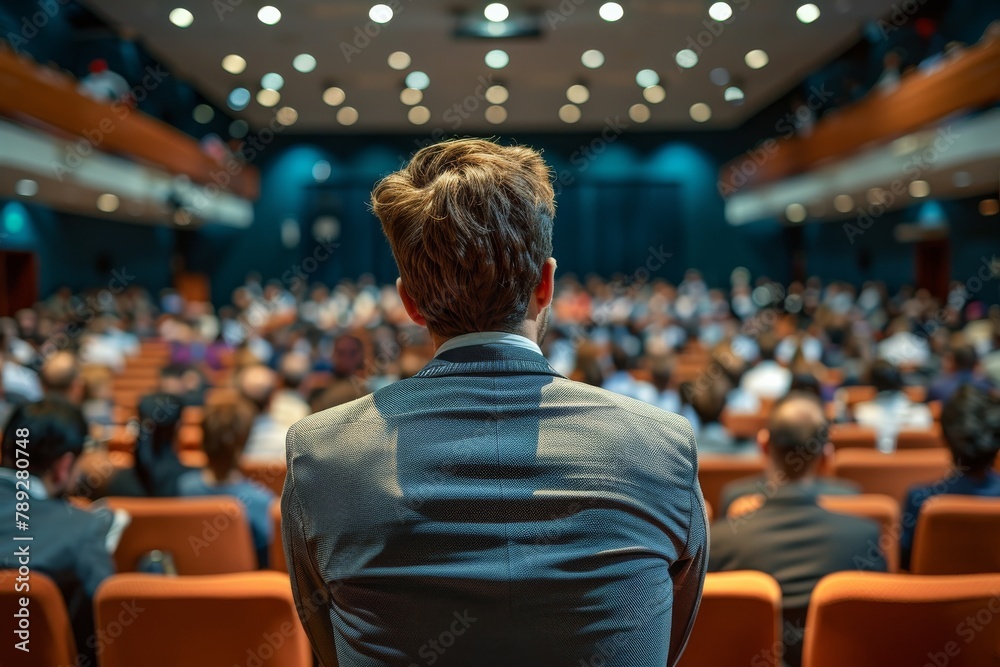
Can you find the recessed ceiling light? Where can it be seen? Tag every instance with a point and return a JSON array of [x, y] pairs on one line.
[[720, 11], [646, 78], [919, 188], [733, 95], [807, 13], [411, 96], [756, 59], [417, 79], [272, 80], [286, 116], [26, 187], [269, 15], [700, 112], [795, 212], [238, 99], [577, 93], [418, 115], [654, 94], [639, 113], [181, 17], [497, 59], [719, 76], [203, 113], [347, 115], [569, 113], [961, 179], [496, 11], [495, 114], [592, 58], [989, 207], [268, 97], [334, 96], [238, 128], [107, 203], [380, 13], [610, 11], [304, 63], [497, 94], [686, 58], [234, 64], [399, 60]]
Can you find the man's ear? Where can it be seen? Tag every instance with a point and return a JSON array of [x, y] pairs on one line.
[[61, 470], [409, 304], [546, 285], [763, 437]]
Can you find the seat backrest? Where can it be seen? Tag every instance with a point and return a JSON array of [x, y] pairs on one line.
[[744, 426], [881, 509], [852, 436], [714, 472], [48, 631], [206, 535], [276, 554], [228, 619], [920, 438], [869, 619], [266, 473], [891, 474], [957, 535], [738, 623], [857, 394]]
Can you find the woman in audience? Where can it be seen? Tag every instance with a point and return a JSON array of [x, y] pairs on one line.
[[226, 428]]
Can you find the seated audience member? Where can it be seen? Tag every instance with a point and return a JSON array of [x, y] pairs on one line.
[[71, 545], [971, 424], [257, 384], [902, 347], [667, 398], [891, 410], [226, 427], [287, 405], [768, 378], [959, 369], [789, 536], [622, 382], [348, 358], [60, 377], [705, 398], [184, 382], [20, 383]]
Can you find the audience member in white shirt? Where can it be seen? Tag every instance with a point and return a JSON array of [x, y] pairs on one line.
[[768, 379]]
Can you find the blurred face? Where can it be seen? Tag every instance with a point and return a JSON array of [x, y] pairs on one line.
[[348, 356]]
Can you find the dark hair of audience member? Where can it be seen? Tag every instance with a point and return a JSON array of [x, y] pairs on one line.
[[226, 428], [707, 396], [661, 370], [964, 358], [806, 383], [797, 433], [970, 420], [884, 376], [55, 427]]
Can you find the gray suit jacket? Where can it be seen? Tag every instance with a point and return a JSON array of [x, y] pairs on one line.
[[488, 511]]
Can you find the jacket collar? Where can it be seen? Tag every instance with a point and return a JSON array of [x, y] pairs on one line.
[[488, 359]]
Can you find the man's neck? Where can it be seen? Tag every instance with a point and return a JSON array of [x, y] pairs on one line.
[[528, 329]]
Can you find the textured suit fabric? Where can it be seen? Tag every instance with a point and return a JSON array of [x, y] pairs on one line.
[[488, 511]]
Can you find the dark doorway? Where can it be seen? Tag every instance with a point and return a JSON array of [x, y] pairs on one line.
[[19, 276]]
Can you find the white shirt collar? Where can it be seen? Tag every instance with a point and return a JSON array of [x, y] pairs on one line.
[[484, 337]]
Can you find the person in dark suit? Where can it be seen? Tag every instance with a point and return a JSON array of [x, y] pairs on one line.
[[789, 536], [489, 511], [71, 545]]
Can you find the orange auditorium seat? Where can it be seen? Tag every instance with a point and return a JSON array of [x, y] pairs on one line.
[[51, 642], [266, 473], [206, 535], [744, 426], [192, 415], [738, 623], [957, 535], [920, 438], [189, 436], [891, 474], [276, 554], [868, 619], [229, 619], [715, 471], [852, 436], [857, 394]]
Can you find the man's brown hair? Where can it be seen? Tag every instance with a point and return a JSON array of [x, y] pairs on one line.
[[226, 427], [470, 225]]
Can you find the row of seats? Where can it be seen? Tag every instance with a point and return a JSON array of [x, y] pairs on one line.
[[855, 618]]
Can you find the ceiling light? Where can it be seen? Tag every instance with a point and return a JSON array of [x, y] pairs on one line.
[[569, 113], [875, 195], [347, 115], [497, 94], [181, 17], [107, 203], [733, 95], [639, 113], [497, 59], [269, 15], [756, 59], [989, 207], [304, 63], [399, 60], [417, 79], [238, 128], [961, 179], [286, 116], [719, 76], [686, 58], [418, 115], [843, 203], [795, 212], [334, 96], [234, 64], [321, 171], [720, 11], [26, 187], [496, 11], [272, 80], [238, 99], [410, 96], [700, 112], [807, 13], [646, 78], [203, 113], [268, 97], [577, 93], [380, 13], [654, 94], [592, 58], [919, 188], [495, 114], [611, 11]]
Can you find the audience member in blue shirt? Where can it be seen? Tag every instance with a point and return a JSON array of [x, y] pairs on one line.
[[226, 427], [971, 424], [960, 369]]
